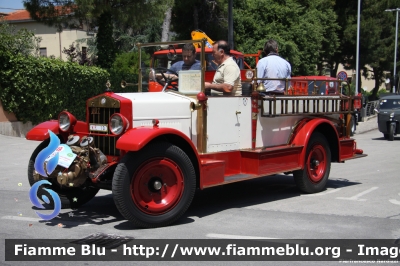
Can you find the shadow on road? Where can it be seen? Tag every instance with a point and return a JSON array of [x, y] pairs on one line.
[[102, 210], [248, 193], [382, 138]]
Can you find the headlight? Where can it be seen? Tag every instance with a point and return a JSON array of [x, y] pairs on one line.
[[391, 115], [118, 124], [249, 74], [65, 121]]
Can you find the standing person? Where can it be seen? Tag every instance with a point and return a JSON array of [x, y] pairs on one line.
[[273, 66], [226, 80]]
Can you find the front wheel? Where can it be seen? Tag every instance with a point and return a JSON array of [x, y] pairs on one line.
[[317, 165], [392, 129], [155, 186], [69, 197], [353, 126]]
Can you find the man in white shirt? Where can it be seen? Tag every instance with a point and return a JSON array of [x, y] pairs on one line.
[[227, 76]]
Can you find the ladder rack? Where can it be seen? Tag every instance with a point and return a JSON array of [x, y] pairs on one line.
[[288, 105]]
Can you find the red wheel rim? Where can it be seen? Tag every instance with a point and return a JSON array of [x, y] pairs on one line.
[[316, 163], [157, 186]]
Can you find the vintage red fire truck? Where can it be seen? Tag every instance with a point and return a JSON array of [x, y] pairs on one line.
[[154, 150]]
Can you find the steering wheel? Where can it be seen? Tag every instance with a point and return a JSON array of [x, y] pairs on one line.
[[169, 83]]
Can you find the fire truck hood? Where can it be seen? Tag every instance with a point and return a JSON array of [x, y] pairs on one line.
[[158, 105]]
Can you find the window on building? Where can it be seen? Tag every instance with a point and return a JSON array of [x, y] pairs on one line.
[[43, 52], [84, 53]]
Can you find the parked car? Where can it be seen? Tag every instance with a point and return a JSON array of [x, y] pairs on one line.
[[389, 115]]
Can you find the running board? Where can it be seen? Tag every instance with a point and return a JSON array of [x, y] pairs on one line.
[[243, 177]]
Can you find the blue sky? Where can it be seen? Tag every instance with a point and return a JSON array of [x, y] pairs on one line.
[[14, 4]]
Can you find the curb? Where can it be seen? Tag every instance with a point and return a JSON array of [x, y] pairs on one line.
[[368, 125], [15, 129]]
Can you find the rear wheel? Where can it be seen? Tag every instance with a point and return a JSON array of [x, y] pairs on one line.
[[155, 186], [70, 197], [317, 165], [386, 136], [392, 129]]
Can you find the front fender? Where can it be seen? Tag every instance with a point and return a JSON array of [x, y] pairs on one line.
[[41, 131], [136, 138], [303, 131]]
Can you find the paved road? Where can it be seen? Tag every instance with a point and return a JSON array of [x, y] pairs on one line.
[[370, 124], [361, 201]]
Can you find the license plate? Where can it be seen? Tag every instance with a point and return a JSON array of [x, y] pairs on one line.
[[98, 127]]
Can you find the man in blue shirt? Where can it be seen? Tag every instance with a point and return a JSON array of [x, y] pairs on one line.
[[275, 67], [189, 59]]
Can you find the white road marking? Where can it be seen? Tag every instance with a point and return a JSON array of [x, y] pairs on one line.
[[237, 236], [395, 201], [224, 236], [322, 193], [356, 197], [21, 218]]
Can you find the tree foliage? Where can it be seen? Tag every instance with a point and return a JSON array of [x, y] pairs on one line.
[[20, 41], [312, 35], [208, 16], [127, 13], [305, 30], [37, 88], [104, 41], [126, 67], [377, 36]]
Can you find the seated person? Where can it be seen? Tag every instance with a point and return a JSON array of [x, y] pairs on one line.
[[189, 61], [227, 80]]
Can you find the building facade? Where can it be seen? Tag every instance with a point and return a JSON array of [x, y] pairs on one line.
[[53, 41]]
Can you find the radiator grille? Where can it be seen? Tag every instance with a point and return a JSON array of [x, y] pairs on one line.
[[105, 141]]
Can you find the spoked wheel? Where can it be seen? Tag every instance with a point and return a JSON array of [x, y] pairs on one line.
[[155, 186], [69, 197], [172, 84], [317, 165]]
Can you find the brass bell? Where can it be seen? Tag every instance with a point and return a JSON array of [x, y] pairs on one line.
[[261, 87]]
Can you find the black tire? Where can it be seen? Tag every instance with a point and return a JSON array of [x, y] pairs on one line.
[[70, 197], [135, 180], [391, 132], [313, 177], [386, 136], [353, 126]]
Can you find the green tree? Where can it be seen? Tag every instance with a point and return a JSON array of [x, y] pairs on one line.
[[20, 41], [305, 30], [208, 16], [126, 67], [105, 44], [377, 29], [130, 17]]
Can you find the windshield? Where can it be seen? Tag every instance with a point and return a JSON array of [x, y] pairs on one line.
[[160, 77], [162, 60], [389, 103]]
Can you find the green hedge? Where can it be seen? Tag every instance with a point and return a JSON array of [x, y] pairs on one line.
[[37, 89]]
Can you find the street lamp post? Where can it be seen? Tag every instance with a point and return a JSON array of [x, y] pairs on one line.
[[395, 46]]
